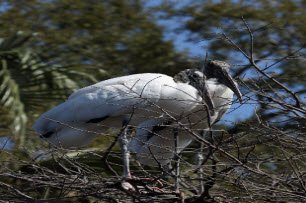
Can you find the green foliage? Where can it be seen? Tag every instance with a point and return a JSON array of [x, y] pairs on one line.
[[118, 36], [29, 85]]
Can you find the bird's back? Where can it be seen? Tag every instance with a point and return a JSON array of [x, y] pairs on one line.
[[136, 80], [107, 98]]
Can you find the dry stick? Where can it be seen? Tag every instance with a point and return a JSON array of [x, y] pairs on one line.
[[17, 191], [164, 172], [254, 64], [72, 127], [296, 172], [210, 182], [281, 103], [107, 153], [292, 54]]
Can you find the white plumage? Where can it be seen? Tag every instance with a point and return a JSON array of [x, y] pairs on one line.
[[130, 97], [162, 144], [150, 102]]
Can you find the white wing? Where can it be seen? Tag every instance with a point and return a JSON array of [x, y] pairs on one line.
[[109, 98], [140, 97]]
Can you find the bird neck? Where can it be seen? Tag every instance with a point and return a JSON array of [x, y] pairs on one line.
[[217, 89]]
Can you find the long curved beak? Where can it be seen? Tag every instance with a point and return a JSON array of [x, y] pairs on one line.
[[230, 82]]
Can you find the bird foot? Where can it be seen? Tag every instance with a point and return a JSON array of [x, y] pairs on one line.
[[128, 186], [131, 183]]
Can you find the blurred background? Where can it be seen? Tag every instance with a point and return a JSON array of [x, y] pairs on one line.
[[49, 48]]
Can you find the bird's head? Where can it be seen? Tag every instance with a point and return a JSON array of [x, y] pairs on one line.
[[220, 71], [197, 79], [190, 76]]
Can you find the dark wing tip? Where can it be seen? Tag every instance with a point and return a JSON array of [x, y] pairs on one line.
[[97, 120], [46, 135]]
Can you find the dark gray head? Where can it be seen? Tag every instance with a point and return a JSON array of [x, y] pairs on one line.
[[220, 71], [190, 76], [197, 79]]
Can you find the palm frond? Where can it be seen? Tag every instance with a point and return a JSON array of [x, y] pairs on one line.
[[29, 84]]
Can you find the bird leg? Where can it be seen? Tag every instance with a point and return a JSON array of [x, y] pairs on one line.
[[200, 160], [125, 153], [177, 167], [177, 161], [126, 160]]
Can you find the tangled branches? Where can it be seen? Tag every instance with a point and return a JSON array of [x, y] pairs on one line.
[[260, 159]]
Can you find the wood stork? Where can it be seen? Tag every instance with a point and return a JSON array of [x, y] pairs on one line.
[[151, 103]]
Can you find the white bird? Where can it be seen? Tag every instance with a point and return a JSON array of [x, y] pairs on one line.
[[154, 142], [150, 102]]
